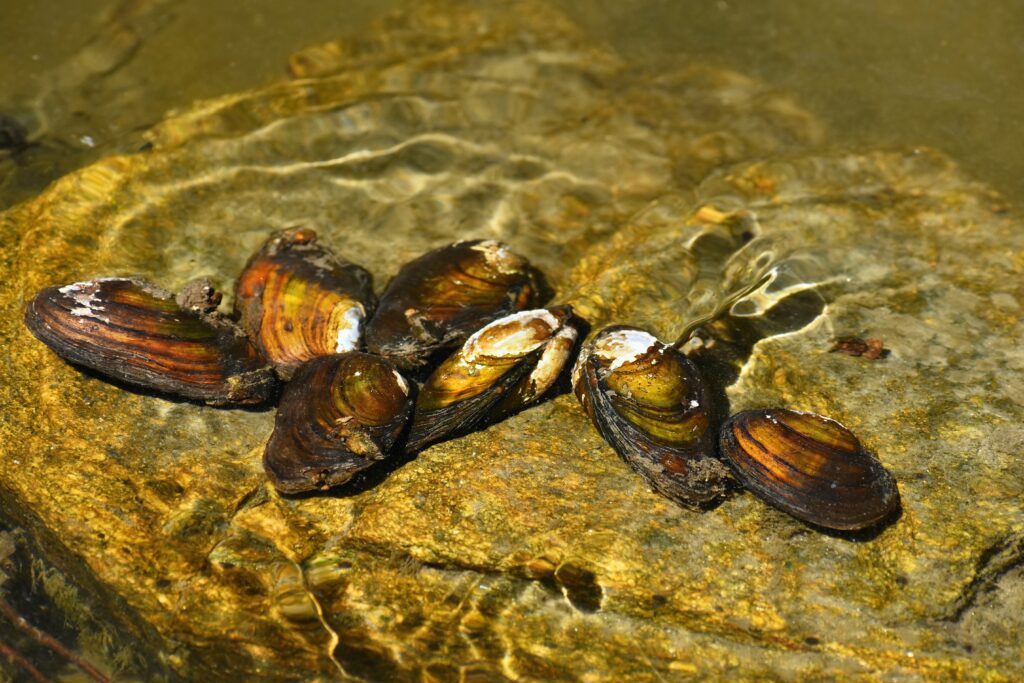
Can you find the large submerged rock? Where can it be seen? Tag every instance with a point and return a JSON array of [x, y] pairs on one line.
[[529, 551]]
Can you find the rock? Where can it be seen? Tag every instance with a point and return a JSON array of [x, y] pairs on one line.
[[529, 551]]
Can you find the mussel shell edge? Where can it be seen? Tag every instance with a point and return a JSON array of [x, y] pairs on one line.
[[810, 467]]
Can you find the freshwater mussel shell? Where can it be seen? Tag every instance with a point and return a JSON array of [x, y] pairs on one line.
[[298, 300], [338, 416], [809, 466], [135, 332], [504, 366], [651, 405], [437, 300]]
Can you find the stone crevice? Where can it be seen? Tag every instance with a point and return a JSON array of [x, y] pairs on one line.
[[992, 564]]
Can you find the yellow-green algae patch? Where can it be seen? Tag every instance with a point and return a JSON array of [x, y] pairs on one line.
[[529, 551]]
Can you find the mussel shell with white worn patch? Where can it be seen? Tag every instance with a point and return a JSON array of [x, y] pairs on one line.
[[809, 466], [507, 364], [338, 416], [437, 300], [133, 331], [298, 300], [650, 403]]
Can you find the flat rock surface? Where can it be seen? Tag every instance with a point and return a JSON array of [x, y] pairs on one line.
[[528, 550]]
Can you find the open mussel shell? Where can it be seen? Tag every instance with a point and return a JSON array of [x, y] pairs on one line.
[[809, 466], [437, 300], [338, 416], [298, 300], [650, 403], [132, 331], [503, 367]]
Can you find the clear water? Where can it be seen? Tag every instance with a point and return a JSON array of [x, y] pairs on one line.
[[920, 72], [929, 72]]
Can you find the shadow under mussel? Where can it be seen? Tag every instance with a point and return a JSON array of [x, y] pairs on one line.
[[13, 136]]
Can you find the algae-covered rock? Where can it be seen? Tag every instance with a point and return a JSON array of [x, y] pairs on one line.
[[529, 551]]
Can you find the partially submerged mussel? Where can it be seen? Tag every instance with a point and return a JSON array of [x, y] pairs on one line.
[[298, 300], [650, 403], [809, 466], [339, 415], [437, 300], [133, 331], [345, 411], [503, 367]]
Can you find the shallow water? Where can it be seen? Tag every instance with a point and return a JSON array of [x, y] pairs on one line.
[[937, 73], [921, 73]]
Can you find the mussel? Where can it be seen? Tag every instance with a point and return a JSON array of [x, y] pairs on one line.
[[339, 415], [809, 466], [504, 366], [298, 300], [133, 331], [437, 300], [650, 403]]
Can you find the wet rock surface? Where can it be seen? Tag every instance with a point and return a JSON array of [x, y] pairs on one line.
[[529, 551]]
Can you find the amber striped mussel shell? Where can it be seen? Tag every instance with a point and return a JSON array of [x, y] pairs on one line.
[[134, 332], [338, 416], [809, 466], [503, 367], [298, 300], [650, 404], [437, 300]]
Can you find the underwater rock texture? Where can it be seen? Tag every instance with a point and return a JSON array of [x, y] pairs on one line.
[[530, 551]]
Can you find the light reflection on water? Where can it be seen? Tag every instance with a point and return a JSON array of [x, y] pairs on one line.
[[920, 73], [928, 72]]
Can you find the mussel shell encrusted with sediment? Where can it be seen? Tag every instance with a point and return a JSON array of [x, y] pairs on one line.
[[298, 300], [650, 403], [437, 300], [135, 332], [809, 466], [339, 415], [503, 367]]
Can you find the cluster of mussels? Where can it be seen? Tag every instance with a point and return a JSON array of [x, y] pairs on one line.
[[300, 313]]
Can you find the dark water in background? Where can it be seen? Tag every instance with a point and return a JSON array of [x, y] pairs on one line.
[[931, 72]]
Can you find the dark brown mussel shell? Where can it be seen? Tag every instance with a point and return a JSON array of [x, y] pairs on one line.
[[650, 403], [809, 466], [504, 366], [437, 300], [132, 331], [298, 300], [338, 416]]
